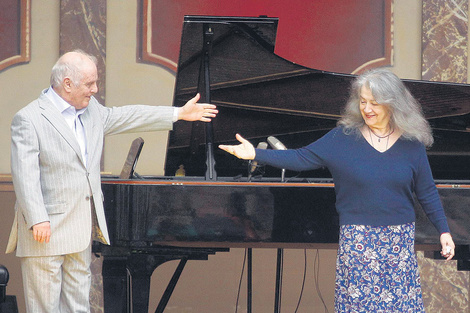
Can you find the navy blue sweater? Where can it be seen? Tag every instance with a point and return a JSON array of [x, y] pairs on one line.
[[372, 188]]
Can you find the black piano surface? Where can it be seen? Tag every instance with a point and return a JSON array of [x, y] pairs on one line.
[[157, 219], [188, 212], [231, 62]]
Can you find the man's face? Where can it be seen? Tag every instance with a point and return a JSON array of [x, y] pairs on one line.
[[80, 95]]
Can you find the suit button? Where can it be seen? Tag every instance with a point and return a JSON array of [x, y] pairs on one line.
[[87, 198]]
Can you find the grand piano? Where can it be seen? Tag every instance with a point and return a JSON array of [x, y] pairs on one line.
[[223, 202]]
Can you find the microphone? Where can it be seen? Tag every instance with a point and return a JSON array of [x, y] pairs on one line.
[[276, 144], [254, 164]]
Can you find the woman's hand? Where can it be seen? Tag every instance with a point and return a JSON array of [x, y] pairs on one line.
[[245, 150], [448, 246]]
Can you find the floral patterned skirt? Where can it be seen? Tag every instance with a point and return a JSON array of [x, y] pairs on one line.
[[377, 270]]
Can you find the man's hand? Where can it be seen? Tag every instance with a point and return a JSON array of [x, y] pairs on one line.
[[42, 232], [193, 111]]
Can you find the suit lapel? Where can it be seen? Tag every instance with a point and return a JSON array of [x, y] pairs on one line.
[[50, 113]]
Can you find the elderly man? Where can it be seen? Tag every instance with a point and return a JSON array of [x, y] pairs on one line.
[[57, 142]]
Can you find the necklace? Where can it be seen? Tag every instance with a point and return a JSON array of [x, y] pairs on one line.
[[381, 137], [372, 141]]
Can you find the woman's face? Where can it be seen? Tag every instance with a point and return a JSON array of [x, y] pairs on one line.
[[375, 115]]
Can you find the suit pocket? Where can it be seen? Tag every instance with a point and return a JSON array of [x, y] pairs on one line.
[[56, 208]]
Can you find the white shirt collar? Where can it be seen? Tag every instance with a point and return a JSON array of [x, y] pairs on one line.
[[63, 106]]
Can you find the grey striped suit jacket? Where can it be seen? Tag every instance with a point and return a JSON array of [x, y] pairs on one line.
[[50, 178]]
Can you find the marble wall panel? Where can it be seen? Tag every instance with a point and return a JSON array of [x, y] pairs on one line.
[[444, 288], [83, 26], [445, 40], [444, 58]]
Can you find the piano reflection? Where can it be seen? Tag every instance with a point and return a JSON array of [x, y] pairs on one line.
[[219, 204]]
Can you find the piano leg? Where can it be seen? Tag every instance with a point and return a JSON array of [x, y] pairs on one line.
[[126, 275], [126, 282], [141, 267], [114, 272]]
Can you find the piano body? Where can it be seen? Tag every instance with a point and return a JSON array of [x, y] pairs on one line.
[[231, 62]]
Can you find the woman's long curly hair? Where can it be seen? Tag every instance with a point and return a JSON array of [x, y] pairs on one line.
[[387, 89]]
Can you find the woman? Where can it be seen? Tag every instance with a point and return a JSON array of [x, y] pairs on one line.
[[377, 157]]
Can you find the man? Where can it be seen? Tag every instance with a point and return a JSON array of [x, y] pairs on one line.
[[57, 143]]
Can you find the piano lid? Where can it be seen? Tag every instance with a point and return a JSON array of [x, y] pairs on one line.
[[260, 94]]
